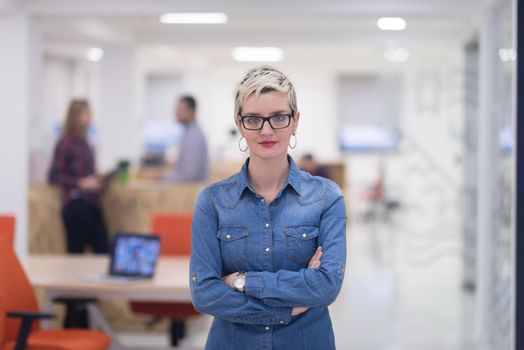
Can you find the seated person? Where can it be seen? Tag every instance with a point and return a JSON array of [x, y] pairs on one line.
[[309, 164]]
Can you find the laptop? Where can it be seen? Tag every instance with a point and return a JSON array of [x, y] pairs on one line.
[[133, 258], [134, 255]]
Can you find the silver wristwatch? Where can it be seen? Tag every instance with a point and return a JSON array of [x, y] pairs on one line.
[[240, 282]]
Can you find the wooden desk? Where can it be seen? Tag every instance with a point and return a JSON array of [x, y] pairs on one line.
[[68, 276]]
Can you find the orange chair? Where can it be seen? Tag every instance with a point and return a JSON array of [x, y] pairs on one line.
[[7, 230], [175, 234], [19, 326]]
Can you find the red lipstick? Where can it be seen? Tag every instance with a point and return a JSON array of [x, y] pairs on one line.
[[267, 144]]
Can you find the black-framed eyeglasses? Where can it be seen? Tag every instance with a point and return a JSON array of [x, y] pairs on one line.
[[277, 121]]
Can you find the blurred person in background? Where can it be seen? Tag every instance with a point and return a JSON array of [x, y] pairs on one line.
[[309, 164], [192, 164], [73, 169], [268, 244]]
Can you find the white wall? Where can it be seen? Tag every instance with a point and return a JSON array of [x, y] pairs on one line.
[[118, 90], [315, 72], [19, 73], [115, 110]]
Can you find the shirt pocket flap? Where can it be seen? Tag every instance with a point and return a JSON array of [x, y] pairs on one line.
[[303, 232], [232, 233]]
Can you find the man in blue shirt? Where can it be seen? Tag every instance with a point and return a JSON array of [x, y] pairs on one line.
[[193, 163]]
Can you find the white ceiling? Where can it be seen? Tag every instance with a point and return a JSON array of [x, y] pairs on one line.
[[253, 22]]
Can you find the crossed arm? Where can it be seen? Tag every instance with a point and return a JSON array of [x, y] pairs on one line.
[[313, 264], [269, 297]]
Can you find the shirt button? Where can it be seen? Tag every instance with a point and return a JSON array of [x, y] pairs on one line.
[[267, 224], [304, 235], [267, 328], [267, 249], [194, 278], [281, 322], [228, 236], [262, 200]]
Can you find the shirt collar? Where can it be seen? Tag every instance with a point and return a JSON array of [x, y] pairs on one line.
[[293, 179]]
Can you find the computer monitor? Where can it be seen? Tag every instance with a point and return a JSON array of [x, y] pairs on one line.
[[134, 255]]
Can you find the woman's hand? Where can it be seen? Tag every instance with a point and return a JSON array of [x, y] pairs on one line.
[[230, 279], [90, 184], [298, 310], [314, 262]]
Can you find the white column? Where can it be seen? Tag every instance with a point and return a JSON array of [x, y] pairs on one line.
[[115, 109], [487, 186], [18, 105]]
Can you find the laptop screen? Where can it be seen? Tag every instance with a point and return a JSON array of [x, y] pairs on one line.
[[134, 255]]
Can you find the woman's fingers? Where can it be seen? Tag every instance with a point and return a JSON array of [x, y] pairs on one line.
[[298, 310], [314, 262]]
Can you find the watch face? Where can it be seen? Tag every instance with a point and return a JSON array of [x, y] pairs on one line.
[[240, 282]]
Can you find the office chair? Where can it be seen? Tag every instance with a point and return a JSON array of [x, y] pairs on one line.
[[19, 326], [175, 234], [7, 230]]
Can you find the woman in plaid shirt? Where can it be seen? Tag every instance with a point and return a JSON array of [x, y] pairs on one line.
[[73, 169]]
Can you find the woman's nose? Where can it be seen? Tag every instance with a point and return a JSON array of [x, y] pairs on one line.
[[266, 128]]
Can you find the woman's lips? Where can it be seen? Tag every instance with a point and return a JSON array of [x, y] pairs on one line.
[[267, 144]]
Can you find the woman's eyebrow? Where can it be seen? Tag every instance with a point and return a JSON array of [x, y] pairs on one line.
[[270, 114]]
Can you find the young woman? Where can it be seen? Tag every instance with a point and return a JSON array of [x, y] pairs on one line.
[[268, 244], [73, 169]]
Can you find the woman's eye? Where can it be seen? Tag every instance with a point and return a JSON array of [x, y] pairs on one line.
[[279, 118], [252, 120]]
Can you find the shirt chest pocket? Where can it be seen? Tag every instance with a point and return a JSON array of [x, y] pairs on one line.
[[301, 243], [233, 245]]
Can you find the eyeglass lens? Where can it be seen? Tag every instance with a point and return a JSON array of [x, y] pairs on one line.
[[280, 121]]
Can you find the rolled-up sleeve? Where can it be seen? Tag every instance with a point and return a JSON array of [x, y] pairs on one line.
[[309, 287], [209, 293]]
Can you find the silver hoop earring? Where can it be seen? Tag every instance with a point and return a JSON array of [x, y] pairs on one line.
[[294, 143], [240, 145]]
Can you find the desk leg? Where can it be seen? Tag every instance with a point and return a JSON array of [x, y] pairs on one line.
[[98, 321], [47, 307]]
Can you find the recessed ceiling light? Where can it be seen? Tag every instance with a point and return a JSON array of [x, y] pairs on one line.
[[194, 18], [257, 54], [94, 54], [399, 54], [391, 23]]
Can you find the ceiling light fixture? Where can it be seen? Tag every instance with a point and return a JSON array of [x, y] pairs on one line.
[[257, 54], [194, 18], [391, 23], [94, 54]]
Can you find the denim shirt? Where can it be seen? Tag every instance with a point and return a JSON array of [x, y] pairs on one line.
[[234, 230]]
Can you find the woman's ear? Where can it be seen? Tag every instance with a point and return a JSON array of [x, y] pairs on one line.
[[239, 126]]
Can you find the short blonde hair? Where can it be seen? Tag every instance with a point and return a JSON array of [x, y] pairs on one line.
[[262, 79]]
